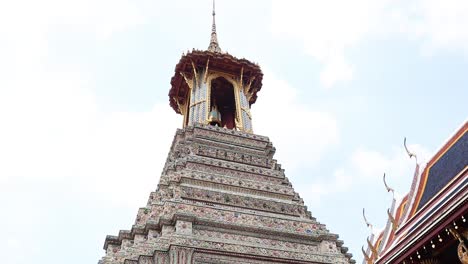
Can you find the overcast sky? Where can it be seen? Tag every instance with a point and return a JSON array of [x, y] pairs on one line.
[[85, 123]]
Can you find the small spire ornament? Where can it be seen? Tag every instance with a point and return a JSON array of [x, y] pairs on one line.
[[214, 46]]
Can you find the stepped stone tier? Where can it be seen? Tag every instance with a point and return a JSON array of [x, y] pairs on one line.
[[223, 198]]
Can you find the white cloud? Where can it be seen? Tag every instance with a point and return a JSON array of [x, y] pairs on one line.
[[441, 24], [366, 165], [103, 17], [299, 133], [26, 26], [314, 193], [53, 130], [335, 70], [128, 154], [53, 134], [369, 164], [328, 29]]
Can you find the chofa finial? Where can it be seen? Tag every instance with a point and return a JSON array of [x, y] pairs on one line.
[[372, 248], [410, 154], [365, 220], [389, 189], [214, 46], [392, 220], [366, 257]]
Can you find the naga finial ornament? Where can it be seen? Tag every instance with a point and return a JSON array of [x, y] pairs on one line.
[[373, 249], [389, 189], [410, 154], [366, 257], [392, 220], [365, 220]]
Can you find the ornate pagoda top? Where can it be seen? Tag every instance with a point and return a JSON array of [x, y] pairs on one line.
[[213, 59], [214, 46], [251, 74]]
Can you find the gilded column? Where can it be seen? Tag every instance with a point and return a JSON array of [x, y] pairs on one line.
[[198, 100], [245, 112]]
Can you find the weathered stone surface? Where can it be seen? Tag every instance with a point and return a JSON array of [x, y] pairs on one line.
[[222, 198]]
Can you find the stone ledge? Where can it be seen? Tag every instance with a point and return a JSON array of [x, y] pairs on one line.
[[152, 225]]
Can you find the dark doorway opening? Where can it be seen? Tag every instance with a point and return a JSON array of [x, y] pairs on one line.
[[222, 95]]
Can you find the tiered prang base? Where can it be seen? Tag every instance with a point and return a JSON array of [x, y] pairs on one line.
[[222, 198]]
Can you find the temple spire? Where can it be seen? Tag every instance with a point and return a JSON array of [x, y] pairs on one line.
[[214, 46]]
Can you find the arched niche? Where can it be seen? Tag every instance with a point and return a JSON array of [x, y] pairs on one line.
[[222, 94]]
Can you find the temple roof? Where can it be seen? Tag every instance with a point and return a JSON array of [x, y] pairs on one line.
[[439, 187]]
